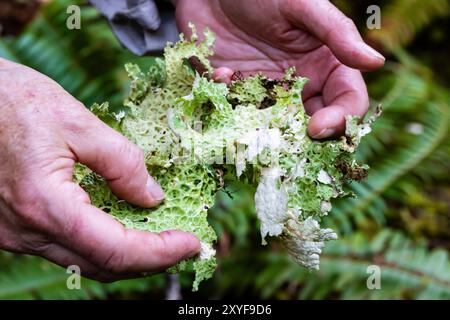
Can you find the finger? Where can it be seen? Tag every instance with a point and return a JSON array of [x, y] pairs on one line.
[[333, 28], [313, 104], [118, 160], [65, 258], [223, 75], [21, 241], [104, 242], [344, 94]]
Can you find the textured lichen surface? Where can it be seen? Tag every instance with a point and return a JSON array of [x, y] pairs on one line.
[[198, 136]]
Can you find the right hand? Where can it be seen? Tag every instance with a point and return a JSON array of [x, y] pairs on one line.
[[43, 132], [270, 36]]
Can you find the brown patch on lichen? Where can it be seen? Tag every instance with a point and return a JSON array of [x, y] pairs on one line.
[[199, 66], [352, 173], [270, 100], [268, 84], [237, 76]]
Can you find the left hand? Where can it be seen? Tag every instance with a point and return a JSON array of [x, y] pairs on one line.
[[270, 36], [44, 131]]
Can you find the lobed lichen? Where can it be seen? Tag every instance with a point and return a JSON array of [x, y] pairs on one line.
[[198, 135]]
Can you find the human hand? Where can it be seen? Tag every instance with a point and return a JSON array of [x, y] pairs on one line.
[[43, 133], [272, 35]]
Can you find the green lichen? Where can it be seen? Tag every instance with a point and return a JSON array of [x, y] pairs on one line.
[[198, 135]]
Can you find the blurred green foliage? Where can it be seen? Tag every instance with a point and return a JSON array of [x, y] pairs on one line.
[[400, 219]]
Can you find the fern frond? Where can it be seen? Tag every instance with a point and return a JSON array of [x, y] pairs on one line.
[[392, 151], [408, 270], [26, 277], [71, 57], [29, 277], [402, 20]]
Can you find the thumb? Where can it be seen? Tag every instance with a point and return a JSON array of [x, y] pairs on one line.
[[223, 75], [332, 27], [119, 161]]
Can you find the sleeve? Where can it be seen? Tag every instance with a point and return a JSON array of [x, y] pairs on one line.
[[142, 26]]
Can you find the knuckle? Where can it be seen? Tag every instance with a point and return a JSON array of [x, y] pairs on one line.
[[347, 24], [166, 252], [76, 116], [76, 120], [35, 244], [343, 25], [115, 262], [136, 156], [159, 246], [134, 160], [39, 248]]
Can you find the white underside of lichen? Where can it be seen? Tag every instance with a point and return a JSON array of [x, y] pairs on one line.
[[271, 203], [206, 251], [305, 240]]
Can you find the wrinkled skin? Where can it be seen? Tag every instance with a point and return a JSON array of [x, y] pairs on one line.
[[270, 36], [43, 132]]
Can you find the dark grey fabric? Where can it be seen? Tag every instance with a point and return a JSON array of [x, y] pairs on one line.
[[140, 25]]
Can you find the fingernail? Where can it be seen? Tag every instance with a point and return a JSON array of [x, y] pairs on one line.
[[223, 75], [155, 190], [325, 133], [371, 51]]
